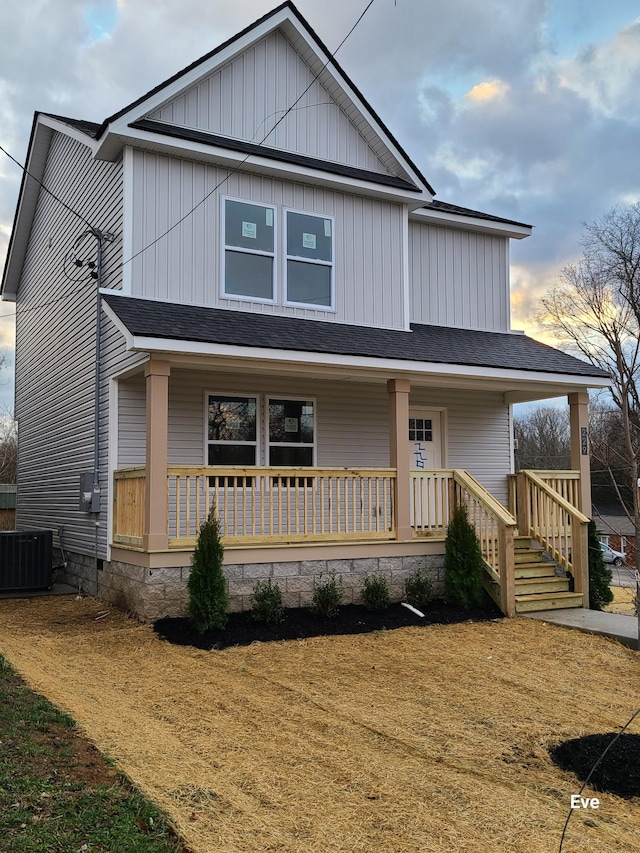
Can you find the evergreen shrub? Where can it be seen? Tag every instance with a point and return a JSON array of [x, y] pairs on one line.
[[327, 597], [418, 589], [375, 592], [600, 575], [463, 563], [208, 604], [266, 603]]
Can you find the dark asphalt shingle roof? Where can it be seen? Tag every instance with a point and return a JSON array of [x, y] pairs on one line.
[[445, 207], [429, 344], [89, 127]]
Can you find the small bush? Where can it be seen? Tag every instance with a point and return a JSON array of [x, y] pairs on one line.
[[327, 597], [600, 575], [208, 603], [266, 603], [418, 589], [463, 563], [375, 592]]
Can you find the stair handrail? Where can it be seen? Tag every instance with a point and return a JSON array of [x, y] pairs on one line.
[[576, 559], [502, 550]]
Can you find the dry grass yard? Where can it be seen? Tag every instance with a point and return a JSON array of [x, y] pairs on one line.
[[429, 739]]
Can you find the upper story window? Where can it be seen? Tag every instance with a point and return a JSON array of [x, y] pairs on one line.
[[309, 272], [249, 250], [252, 243]]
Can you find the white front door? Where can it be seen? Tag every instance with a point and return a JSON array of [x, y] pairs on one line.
[[425, 439]]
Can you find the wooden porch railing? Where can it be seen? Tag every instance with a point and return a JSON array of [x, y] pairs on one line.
[[434, 494], [129, 490], [286, 504], [565, 483], [548, 517]]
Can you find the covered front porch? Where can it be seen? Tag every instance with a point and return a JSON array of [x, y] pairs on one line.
[[274, 513]]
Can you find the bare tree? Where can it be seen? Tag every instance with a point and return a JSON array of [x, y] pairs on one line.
[[595, 309], [8, 448], [543, 438]]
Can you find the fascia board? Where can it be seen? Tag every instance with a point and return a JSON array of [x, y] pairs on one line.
[[28, 195], [366, 363], [470, 223], [117, 322], [38, 150], [227, 158], [186, 80]]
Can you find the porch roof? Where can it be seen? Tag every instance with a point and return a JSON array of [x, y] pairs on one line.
[[428, 344]]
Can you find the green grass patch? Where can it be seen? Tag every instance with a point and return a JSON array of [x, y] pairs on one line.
[[58, 794]]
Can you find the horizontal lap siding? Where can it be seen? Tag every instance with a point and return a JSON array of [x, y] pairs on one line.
[[248, 97], [352, 422], [478, 434], [185, 265], [458, 278], [55, 343], [351, 419]]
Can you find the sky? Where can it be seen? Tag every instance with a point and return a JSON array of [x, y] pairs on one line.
[[528, 110]]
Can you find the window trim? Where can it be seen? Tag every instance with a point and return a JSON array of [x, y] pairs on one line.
[[241, 250], [267, 441], [287, 257], [257, 443]]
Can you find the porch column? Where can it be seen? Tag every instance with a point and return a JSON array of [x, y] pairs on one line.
[[579, 421], [155, 509], [398, 390]]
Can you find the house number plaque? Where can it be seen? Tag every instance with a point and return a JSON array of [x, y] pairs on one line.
[[583, 441]]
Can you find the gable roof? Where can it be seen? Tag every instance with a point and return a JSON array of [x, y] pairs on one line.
[[427, 344], [112, 133]]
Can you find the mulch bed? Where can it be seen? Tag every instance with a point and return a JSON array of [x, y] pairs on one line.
[[300, 623], [618, 772]]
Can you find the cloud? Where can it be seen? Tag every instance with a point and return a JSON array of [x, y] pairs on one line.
[[487, 91]]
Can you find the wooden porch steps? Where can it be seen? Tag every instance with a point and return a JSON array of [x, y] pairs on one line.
[[537, 585]]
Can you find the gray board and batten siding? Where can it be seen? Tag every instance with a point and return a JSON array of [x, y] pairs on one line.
[[186, 266], [248, 97], [352, 421], [458, 278], [55, 343]]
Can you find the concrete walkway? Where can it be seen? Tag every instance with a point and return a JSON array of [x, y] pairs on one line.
[[624, 629]]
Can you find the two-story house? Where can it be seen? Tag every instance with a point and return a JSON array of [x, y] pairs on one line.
[[239, 292]]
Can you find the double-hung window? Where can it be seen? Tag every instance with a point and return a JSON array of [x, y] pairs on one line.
[[249, 250], [309, 261], [232, 429], [291, 432]]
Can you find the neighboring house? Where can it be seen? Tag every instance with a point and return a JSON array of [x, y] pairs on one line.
[[615, 529], [294, 332], [7, 506]]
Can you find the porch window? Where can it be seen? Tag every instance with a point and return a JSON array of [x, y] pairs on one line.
[[249, 250], [232, 429], [309, 269], [291, 432]]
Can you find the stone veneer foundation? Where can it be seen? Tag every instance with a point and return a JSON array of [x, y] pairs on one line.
[[153, 593]]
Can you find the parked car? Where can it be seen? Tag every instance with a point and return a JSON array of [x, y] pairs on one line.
[[611, 556]]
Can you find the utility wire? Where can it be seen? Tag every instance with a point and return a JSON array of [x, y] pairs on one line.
[[46, 189], [256, 147], [592, 771]]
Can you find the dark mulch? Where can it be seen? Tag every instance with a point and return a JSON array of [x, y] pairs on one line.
[[300, 623], [618, 772]]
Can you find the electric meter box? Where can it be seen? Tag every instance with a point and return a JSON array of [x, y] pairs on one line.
[[89, 493]]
